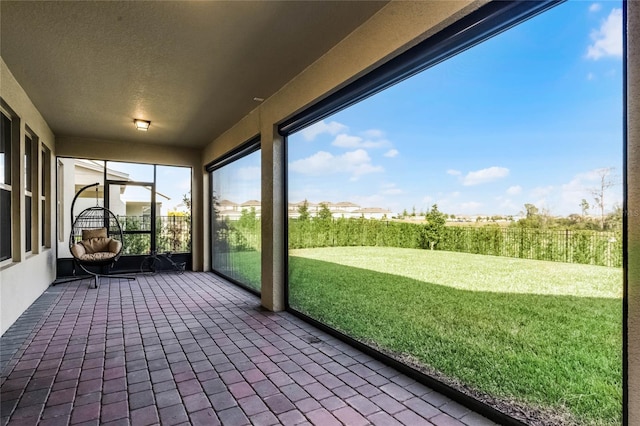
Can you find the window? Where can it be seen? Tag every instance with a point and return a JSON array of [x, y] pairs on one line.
[[132, 198], [5, 187], [60, 201], [45, 197], [235, 216], [136, 194], [173, 191], [420, 222], [28, 193]]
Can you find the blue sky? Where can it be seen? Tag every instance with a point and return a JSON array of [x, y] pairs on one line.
[[529, 116]]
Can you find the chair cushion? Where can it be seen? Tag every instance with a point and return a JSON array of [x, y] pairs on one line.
[[77, 250], [95, 257], [96, 245], [114, 246], [88, 234]]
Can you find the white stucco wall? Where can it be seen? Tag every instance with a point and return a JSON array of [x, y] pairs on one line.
[[25, 278]]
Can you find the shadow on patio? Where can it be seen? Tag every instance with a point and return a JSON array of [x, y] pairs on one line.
[[193, 349]]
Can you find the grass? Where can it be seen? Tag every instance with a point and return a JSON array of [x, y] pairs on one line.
[[243, 266], [539, 334]]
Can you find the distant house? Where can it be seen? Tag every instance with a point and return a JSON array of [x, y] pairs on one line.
[[373, 213], [226, 205], [344, 206], [343, 209], [248, 205], [141, 208], [228, 209], [294, 209]]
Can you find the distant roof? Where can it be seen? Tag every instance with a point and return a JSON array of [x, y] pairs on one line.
[[372, 210], [300, 203], [98, 166]]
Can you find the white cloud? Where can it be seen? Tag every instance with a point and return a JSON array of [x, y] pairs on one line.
[[591, 76], [595, 7], [392, 153], [453, 172], [356, 163], [514, 190], [607, 40], [313, 131], [347, 141], [344, 140], [249, 173], [374, 133], [485, 175]]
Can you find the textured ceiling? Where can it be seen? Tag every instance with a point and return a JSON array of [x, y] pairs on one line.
[[192, 68]]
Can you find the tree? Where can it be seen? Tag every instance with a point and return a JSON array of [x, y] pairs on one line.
[[220, 226], [533, 219], [324, 213], [248, 218], [613, 221], [532, 210], [605, 182], [303, 211], [186, 200], [434, 227], [584, 206]]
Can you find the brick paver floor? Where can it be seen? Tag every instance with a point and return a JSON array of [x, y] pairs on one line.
[[194, 349]]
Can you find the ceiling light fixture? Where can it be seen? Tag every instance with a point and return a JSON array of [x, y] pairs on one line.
[[142, 125], [258, 99]]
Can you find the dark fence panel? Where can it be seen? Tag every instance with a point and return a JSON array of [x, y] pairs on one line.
[[173, 233]]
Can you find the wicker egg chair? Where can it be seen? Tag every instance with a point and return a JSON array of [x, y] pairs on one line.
[[96, 241]]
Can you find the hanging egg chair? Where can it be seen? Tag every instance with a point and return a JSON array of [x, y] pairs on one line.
[[96, 239]]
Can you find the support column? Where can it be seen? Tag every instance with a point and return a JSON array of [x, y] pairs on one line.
[[199, 218], [633, 212], [273, 219]]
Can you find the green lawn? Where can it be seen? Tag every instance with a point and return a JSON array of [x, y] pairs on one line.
[[541, 334], [243, 266]]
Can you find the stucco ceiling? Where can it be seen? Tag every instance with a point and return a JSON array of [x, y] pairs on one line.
[[192, 68]]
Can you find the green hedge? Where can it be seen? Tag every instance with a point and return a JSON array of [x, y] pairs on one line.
[[586, 247]]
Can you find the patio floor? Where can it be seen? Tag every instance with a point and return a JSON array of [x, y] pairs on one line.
[[194, 349]]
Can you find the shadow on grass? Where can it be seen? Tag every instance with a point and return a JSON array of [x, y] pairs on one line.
[[561, 353]]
